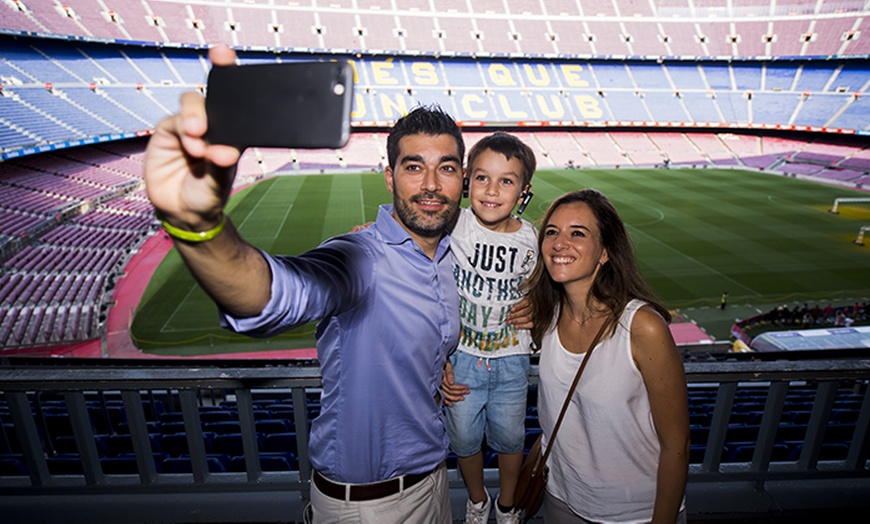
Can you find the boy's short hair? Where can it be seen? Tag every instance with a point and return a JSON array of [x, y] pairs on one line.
[[511, 147], [423, 120]]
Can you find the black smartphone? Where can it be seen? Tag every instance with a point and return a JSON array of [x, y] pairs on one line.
[[293, 105]]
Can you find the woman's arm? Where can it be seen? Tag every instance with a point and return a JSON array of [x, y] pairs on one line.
[[661, 366]]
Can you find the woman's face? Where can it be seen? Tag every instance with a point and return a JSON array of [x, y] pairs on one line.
[[571, 245]]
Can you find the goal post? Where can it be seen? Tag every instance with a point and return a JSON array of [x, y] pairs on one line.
[[837, 201], [860, 239]]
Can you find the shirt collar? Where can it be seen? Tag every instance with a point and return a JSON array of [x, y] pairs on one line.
[[393, 233]]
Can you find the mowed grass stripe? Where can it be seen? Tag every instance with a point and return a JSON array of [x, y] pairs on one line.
[[345, 206], [696, 233], [253, 215], [311, 209]]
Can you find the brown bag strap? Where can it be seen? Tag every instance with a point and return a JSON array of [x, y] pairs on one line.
[[573, 388]]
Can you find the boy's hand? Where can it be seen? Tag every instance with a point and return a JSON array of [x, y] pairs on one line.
[[520, 316], [451, 391], [367, 225]]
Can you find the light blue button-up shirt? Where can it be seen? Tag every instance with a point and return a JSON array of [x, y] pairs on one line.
[[388, 318]]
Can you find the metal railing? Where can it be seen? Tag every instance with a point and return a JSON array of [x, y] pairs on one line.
[[83, 392]]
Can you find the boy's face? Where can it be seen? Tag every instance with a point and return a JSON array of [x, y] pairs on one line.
[[495, 186]]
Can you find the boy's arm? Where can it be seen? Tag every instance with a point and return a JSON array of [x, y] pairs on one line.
[[356, 229]]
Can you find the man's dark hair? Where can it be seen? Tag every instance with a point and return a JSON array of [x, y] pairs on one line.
[[423, 120], [511, 147]]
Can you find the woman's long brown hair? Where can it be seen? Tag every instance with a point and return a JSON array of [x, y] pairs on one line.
[[617, 282]]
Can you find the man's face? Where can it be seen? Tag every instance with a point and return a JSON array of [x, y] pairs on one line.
[[426, 184]]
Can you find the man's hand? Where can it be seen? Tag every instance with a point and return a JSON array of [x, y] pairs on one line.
[[188, 180], [520, 315], [451, 391]]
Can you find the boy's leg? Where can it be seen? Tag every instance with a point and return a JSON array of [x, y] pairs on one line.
[[465, 422], [509, 465], [472, 473], [505, 416]]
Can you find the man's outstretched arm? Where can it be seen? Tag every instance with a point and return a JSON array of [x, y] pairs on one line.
[[189, 182]]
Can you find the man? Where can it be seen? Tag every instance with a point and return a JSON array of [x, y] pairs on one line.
[[386, 299]]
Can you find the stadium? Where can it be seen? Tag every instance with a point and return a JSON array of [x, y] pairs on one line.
[[732, 137]]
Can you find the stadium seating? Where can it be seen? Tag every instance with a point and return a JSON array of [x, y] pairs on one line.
[[277, 448], [797, 29], [132, 88], [70, 223], [53, 287]]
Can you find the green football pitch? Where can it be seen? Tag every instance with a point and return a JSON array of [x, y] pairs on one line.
[[766, 239]]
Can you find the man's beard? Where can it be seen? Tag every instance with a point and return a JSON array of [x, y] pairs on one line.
[[428, 225]]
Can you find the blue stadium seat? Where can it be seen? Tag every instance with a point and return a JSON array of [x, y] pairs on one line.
[[168, 428], [828, 451], [57, 425], [174, 416], [120, 444], [67, 444], [281, 443], [839, 432], [124, 428], [231, 444], [532, 434], [741, 433], [696, 453], [125, 465], [698, 434], [451, 460], [216, 416], [791, 432], [182, 464], [267, 427], [490, 458], [268, 462], [64, 464], [222, 427], [744, 453], [12, 466], [845, 416], [100, 420]]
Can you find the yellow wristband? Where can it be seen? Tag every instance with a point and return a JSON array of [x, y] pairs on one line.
[[194, 236]]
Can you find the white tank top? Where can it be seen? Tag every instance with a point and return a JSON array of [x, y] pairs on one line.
[[606, 454]]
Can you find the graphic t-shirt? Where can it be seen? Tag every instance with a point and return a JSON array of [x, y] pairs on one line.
[[489, 267]]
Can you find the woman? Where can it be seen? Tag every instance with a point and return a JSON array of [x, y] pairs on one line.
[[621, 454]]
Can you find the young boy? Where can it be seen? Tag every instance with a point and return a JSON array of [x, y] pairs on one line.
[[493, 252]]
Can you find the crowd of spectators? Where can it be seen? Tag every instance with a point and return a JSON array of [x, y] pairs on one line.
[[806, 317]]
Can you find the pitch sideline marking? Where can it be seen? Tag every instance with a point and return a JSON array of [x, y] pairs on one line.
[[259, 201], [164, 328]]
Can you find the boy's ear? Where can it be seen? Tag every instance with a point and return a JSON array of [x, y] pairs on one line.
[[465, 186]]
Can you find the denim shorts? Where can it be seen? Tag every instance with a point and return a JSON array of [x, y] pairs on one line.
[[496, 404]]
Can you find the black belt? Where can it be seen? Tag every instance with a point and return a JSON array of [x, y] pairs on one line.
[[376, 490]]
